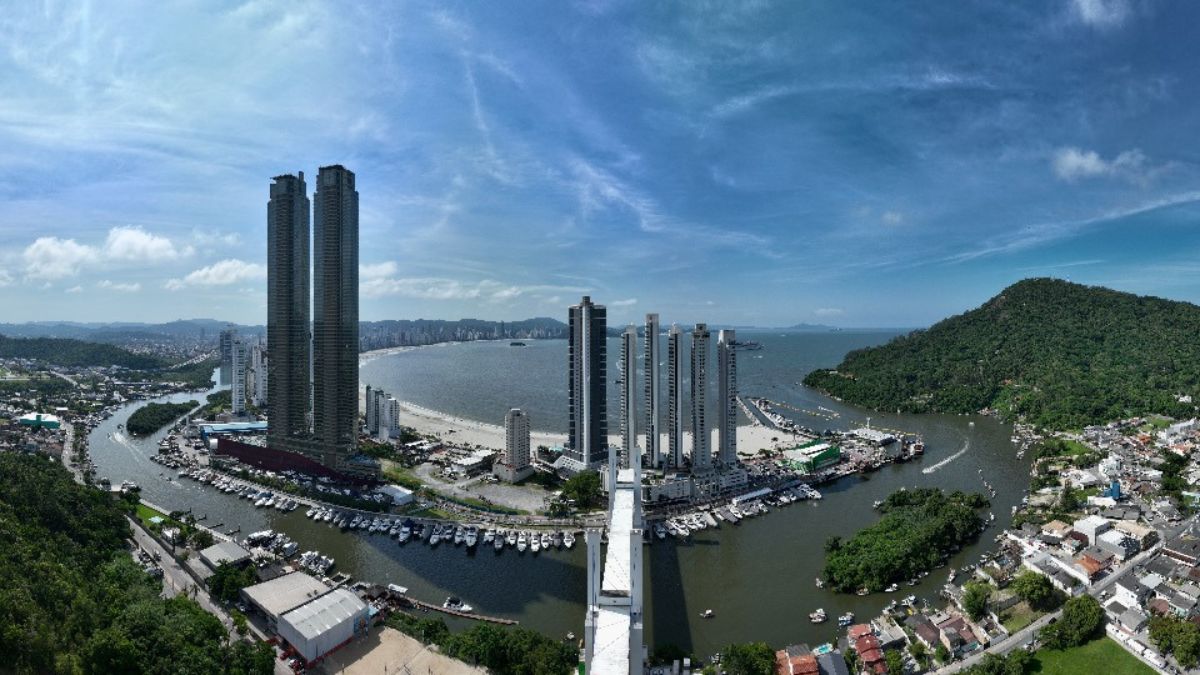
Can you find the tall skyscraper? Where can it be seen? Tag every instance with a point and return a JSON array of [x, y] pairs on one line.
[[587, 435], [258, 366], [516, 439], [674, 398], [335, 315], [653, 382], [372, 411], [288, 392], [239, 356], [225, 343], [629, 406], [701, 450], [727, 386]]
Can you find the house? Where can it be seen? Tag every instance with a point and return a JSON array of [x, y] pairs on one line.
[[796, 660], [870, 655], [890, 635], [1158, 607], [1130, 592], [833, 663], [1154, 584], [1132, 620], [1184, 547], [1091, 527], [957, 634], [1055, 531], [1182, 604], [1117, 543], [1095, 562], [924, 629], [1142, 534]]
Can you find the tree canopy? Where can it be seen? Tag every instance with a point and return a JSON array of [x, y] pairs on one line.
[[1082, 619], [1036, 590], [919, 528], [1173, 635], [68, 352], [72, 600], [1061, 355], [154, 416], [751, 658]]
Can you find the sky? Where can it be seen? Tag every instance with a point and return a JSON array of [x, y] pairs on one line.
[[861, 164]]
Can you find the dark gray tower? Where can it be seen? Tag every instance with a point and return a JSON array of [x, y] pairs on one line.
[[701, 445], [287, 311], [335, 315], [653, 384], [587, 438], [675, 399]]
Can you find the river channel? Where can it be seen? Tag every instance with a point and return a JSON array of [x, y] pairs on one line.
[[757, 576]]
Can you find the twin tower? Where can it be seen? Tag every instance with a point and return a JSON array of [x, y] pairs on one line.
[[313, 377], [587, 438]]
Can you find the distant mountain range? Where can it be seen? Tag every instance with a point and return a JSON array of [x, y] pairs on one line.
[[1054, 353]]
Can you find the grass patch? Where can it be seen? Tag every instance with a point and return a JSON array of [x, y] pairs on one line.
[[145, 513], [1018, 616], [401, 476], [1098, 656]]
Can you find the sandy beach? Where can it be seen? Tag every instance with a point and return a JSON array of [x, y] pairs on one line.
[[460, 431]]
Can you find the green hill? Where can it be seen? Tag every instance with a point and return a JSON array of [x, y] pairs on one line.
[[70, 352], [1054, 353]]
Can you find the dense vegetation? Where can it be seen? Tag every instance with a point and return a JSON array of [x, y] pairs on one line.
[[67, 352], [751, 658], [1016, 662], [1036, 590], [228, 580], [918, 530], [583, 489], [154, 416], [1180, 637], [502, 650], [1058, 354], [1082, 620], [216, 403], [73, 601], [195, 375]]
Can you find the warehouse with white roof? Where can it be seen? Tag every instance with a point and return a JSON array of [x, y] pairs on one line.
[[322, 625]]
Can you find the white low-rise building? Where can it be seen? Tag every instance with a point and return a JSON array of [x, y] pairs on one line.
[[322, 625]]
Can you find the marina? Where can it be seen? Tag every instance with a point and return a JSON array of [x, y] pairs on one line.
[[746, 570]]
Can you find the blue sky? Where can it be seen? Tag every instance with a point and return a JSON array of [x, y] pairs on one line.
[[853, 163]]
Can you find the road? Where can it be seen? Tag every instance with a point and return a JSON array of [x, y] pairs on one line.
[[1018, 639]]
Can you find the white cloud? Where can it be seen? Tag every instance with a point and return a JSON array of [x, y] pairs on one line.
[[437, 288], [623, 303], [6, 278], [221, 273], [377, 270], [130, 243], [1071, 164], [52, 258], [74, 289], [829, 311], [120, 287], [1101, 13]]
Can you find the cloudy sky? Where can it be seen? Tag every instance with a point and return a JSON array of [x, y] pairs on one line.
[[854, 163]]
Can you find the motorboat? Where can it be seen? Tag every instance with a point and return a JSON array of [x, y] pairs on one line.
[[569, 539], [818, 616], [455, 604]]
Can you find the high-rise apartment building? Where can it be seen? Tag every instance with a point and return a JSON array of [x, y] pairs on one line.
[[239, 357], [728, 397], [516, 439], [653, 382], [701, 452], [587, 435], [335, 315], [372, 410], [629, 406], [225, 345], [258, 370], [288, 301], [674, 398]]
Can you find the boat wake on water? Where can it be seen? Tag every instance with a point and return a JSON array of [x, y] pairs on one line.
[[962, 451]]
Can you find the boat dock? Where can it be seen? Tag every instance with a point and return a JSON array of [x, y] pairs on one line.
[[419, 604]]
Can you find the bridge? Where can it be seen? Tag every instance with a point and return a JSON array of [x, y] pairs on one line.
[[613, 629]]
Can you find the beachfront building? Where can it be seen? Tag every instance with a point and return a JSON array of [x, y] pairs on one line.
[[335, 317], [382, 414], [239, 358], [288, 389], [513, 465], [701, 450], [629, 407], [674, 399], [587, 434], [390, 424], [653, 383], [727, 397]]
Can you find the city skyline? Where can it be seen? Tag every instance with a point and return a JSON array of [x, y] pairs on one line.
[[876, 169]]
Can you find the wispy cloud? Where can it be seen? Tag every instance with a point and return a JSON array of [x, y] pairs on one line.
[[437, 288], [1072, 164], [223, 273], [826, 312], [629, 302], [1101, 13], [128, 287]]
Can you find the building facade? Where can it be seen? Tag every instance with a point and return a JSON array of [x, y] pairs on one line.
[[225, 343], [701, 450], [653, 383], [629, 404], [239, 357], [675, 399], [288, 387], [587, 436], [335, 315], [727, 397], [258, 375]]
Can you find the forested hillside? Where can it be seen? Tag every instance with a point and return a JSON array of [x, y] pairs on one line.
[[69, 352], [1056, 353], [73, 601]]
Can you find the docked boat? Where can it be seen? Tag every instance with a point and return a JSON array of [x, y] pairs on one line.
[[498, 541], [818, 616], [455, 603], [569, 539], [510, 538], [471, 537], [846, 619], [547, 541], [535, 542], [892, 588], [522, 542]]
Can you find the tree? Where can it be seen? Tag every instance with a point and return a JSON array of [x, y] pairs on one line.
[[1174, 635], [895, 661], [919, 652], [228, 580], [751, 658], [1082, 619], [975, 599], [1017, 662], [1036, 590], [941, 653], [584, 489]]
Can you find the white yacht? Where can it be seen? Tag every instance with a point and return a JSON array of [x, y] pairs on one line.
[[522, 542], [569, 539], [535, 542]]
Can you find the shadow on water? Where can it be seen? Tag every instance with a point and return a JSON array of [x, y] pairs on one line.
[[667, 611]]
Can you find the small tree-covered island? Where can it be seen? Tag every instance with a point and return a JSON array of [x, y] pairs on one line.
[[918, 531], [154, 416]]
